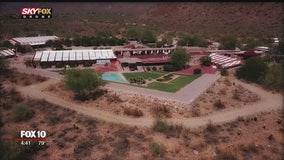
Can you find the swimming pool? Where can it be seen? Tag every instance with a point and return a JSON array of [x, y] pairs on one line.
[[115, 77]]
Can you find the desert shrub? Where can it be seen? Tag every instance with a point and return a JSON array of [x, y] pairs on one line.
[[45, 66], [154, 68], [87, 64], [197, 71], [223, 91], [138, 80], [253, 70], [158, 149], [162, 111], [27, 82], [206, 61], [4, 64], [59, 65], [168, 68], [54, 119], [211, 128], [161, 126], [83, 83], [160, 79], [22, 113], [148, 68], [226, 155], [211, 139], [249, 148], [114, 98], [121, 147], [224, 72], [83, 147], [28, 62], [227, 82], [17, 97], [51, 87], [11, 150], [236, 95], [274, 78], [175, 130], [195, 111], [219, 104], [40, 78], [133, 112]]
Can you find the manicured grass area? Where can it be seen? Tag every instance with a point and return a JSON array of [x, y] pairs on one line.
[[144, 75], [173, 85]]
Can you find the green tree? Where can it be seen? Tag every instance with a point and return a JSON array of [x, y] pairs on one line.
[[77, 41], [229, 43], [86, 41], [132, 34], [57, 44], [188, 40], [23, 48], [179, 59], [206, 61], [6, 44], [21, 112], [3, 65], [83, 82], [274, 78], [251, 43], [67, 42], [277, 52], [148, 37], [253, 70]]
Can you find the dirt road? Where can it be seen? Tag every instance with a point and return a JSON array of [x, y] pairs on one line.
[[269, 101]]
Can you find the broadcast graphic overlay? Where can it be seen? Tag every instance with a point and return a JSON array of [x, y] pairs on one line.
[[36, 13], [27, 137]]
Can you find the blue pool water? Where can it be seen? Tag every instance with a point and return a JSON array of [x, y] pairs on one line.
[[113, 77]]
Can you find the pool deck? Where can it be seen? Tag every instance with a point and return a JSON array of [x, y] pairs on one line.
[[186, 95]]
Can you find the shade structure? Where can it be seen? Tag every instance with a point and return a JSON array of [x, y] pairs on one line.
[[7, 53], [103, 55], [39, 40], [224, 61]]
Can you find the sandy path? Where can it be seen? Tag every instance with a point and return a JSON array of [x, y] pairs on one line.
[[268, 102]]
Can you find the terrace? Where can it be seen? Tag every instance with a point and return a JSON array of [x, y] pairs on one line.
[[162, 81]]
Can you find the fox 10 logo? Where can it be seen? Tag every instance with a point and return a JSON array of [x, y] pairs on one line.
[[36, 13]]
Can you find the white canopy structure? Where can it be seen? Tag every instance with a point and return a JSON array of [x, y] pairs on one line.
[[224, 61], [7, 53], [73, 55], [40, 40]]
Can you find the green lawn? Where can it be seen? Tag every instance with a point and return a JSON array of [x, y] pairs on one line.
[[144, 75], [173, 85]]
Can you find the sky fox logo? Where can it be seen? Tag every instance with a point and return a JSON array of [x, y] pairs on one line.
[[36, 13]]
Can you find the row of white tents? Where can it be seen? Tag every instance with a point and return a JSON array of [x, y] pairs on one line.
[[33, 41], [7, 53], [74, 55], [224, 61]]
